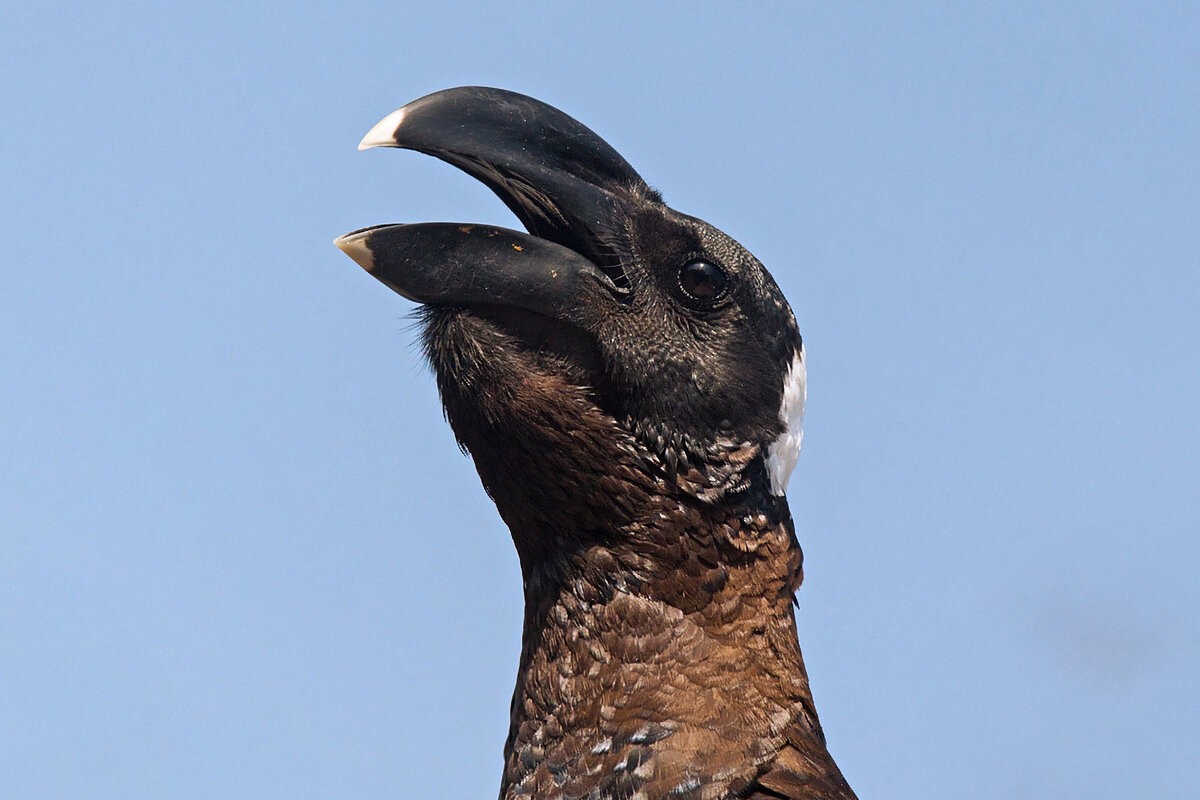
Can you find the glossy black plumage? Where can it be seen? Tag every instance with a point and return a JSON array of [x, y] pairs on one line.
[[626, 379]]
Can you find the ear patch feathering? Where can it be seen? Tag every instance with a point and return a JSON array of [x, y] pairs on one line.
[[783, 453], [630, 384]]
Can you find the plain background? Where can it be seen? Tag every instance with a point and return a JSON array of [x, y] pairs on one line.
[[240, 556]]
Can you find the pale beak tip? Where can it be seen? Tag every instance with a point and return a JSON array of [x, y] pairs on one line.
[[384, 132], [355, 246]]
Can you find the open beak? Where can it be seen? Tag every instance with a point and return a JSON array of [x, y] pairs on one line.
[[566, 185]]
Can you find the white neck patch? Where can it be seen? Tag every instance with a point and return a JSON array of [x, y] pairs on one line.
[[783, 452]]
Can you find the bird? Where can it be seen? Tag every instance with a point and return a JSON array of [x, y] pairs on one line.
[[630, 383]]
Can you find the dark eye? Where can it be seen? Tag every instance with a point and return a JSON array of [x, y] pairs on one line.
[[701, 280]]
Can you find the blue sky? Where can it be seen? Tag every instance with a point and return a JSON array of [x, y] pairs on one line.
[[240, 555]]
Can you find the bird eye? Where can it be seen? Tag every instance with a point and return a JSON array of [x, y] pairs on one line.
[[702, 280]]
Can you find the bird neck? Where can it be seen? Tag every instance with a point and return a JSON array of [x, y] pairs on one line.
[[659, 655], [662, 659]]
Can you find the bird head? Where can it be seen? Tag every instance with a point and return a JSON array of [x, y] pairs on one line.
[[639, 336]]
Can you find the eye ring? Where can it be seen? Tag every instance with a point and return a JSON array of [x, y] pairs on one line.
[[702, 281]]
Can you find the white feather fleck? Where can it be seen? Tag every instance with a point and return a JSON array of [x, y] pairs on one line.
[[784, 451]]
